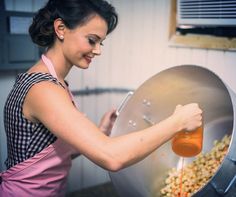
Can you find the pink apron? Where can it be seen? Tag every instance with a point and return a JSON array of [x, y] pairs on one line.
[[43, 175]]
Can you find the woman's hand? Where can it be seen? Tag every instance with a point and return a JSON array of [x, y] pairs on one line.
[[189, 116], [107, 122]]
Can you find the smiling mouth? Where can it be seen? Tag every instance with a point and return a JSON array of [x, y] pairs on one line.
[[88, 59]]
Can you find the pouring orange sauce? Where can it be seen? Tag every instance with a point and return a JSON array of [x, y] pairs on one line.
[[187, 144], [181, 193]]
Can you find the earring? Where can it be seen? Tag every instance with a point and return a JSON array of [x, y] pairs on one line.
[[61, 37]]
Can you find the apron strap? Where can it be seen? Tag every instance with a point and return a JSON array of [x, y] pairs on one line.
[[52, 71], [49, 65]]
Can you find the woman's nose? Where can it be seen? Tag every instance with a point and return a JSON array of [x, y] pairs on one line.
[[97, 49]]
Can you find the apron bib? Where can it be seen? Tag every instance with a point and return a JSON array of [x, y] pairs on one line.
[[44, 174]]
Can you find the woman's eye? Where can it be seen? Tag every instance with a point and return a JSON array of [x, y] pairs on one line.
[[91, 41]]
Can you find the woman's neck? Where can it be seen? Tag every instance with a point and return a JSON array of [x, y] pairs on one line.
[[60, 65]]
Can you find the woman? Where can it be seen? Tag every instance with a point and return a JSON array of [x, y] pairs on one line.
[[44, 127]]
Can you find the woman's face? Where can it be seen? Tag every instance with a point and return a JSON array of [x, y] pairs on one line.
[[82, 44]]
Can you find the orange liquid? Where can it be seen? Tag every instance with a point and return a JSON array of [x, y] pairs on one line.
[[181, 178], [188, 144], [181, 193]]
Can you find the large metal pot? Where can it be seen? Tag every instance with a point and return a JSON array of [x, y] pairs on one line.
[[155, 100]]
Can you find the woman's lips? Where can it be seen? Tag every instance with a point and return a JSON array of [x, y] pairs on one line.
[[88, 59]]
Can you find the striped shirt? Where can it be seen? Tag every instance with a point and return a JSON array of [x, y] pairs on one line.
[[24, 138]]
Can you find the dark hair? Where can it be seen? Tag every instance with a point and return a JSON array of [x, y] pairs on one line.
[[73, 13]]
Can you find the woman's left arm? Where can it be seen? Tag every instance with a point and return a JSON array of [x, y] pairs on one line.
[[107, 122]]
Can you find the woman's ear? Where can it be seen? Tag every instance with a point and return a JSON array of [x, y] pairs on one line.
[[59, 28]]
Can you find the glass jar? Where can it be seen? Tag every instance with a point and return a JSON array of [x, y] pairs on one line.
[[188, 143]]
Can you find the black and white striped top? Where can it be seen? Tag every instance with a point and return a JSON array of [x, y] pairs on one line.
[[24, 138]]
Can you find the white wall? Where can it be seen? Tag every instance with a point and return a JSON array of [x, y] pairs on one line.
[[135, 51]]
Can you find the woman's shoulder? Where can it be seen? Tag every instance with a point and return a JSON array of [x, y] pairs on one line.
[[33, 78]]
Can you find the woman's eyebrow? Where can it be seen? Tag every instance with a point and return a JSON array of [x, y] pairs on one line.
[[98, 37]]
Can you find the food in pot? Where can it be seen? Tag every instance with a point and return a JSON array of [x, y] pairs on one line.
[[196, 174]]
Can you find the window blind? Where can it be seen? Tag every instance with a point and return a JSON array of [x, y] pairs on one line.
[[206, 12]]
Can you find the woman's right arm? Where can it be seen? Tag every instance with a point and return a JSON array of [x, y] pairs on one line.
[[50, 104]]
